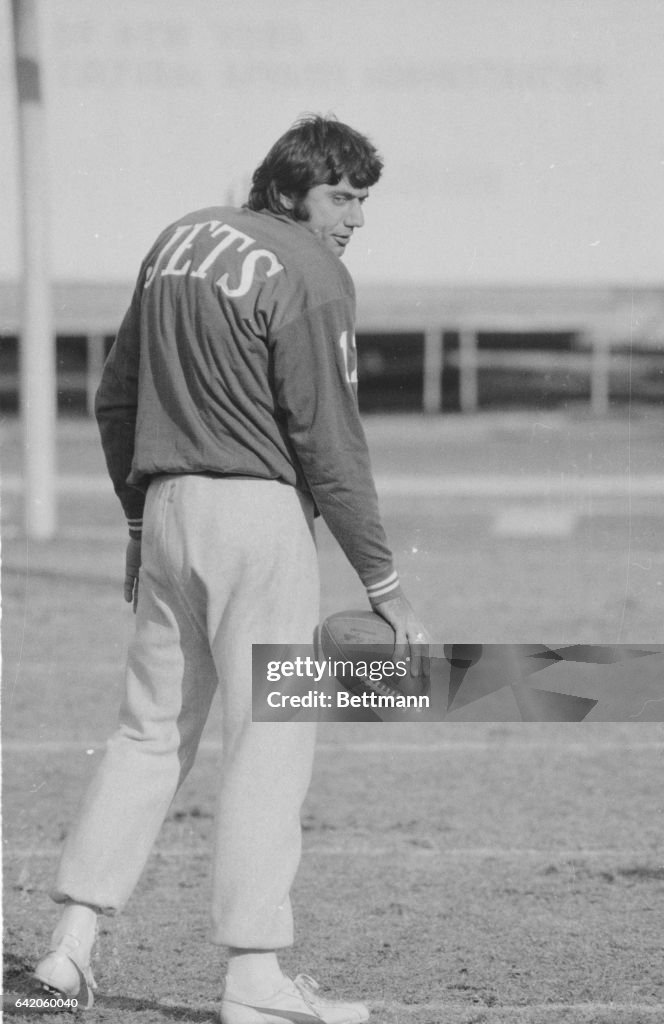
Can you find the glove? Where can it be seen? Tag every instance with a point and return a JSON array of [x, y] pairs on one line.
[[132, 565]]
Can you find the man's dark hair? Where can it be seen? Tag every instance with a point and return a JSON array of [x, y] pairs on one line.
[[315, 151]]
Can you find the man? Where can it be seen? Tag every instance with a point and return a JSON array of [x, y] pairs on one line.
[[228, 417]]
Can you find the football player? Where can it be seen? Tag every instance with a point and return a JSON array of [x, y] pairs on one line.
[[229, 420]]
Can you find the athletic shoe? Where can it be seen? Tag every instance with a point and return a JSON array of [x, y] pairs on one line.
[[297, 1002], [60, 973]]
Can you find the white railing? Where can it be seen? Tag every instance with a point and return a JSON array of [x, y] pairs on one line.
[[603, 321]]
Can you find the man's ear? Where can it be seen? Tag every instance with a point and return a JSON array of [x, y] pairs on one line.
[[286, 201]]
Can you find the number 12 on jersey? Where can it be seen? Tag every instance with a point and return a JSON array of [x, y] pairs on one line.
[[349, 352]]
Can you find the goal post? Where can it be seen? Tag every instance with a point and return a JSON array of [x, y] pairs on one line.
[[37, 345]]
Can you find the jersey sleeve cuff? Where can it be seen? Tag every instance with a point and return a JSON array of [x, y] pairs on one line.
[[135, 528], [384, 589]]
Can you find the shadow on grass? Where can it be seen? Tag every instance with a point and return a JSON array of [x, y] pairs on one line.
[[19, 985]]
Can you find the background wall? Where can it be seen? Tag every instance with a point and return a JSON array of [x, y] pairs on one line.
[[521, 137]]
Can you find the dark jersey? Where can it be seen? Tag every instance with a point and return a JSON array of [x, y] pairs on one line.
[[237, 357]]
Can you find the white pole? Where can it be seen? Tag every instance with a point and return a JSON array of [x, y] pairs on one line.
[[432, 392], [468, 393], [37, 350]]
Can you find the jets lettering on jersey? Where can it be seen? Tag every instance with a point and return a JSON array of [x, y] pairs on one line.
[[178, 264]]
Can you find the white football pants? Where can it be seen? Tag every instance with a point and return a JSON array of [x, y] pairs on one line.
[[227, 562]]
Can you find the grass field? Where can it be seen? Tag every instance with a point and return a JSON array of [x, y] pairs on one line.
[[482, 873]]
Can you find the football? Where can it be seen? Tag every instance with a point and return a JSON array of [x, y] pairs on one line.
[[356, 636], [366, 641]]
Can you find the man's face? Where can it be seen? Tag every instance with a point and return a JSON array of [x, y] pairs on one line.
[[334, 213]]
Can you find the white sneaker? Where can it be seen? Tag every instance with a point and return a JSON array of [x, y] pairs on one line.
[[297, 1002], [59, 971]]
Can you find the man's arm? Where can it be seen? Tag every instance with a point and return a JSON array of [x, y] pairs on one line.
[[115, 408], [314, 385]]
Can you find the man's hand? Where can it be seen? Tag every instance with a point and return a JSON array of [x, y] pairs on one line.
[[132, 565], [412, 639]]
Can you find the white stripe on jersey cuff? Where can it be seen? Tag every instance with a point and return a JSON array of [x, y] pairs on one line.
[[383, 586], [135, 528]]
